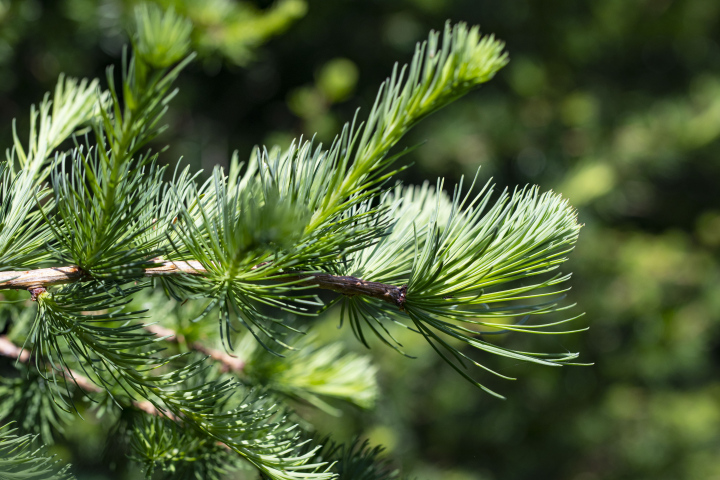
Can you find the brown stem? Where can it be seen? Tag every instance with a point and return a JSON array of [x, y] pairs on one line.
[[43, 277], [228, 362], [10, 350], [350, 286]]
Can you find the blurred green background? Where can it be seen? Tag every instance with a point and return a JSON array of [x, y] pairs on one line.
[[613, 103]]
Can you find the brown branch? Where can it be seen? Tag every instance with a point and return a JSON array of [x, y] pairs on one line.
[[10, 350], [43, 277], [353, 286], [228, 362], [350, 286]]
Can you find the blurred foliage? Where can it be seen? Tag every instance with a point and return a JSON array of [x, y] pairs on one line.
[[613, 103]]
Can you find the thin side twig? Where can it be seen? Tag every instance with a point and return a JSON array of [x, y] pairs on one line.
[[228, 363], [10, 350]]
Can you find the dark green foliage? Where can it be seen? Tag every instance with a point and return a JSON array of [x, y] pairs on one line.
[[155, 442], [358, 461], [30, 401]]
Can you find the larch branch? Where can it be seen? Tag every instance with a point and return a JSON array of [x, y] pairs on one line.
[[346, 285]]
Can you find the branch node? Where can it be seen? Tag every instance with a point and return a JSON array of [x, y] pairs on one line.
[[35, 292], [402, 298]]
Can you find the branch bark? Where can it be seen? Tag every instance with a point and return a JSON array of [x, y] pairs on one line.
[[350, 286]]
